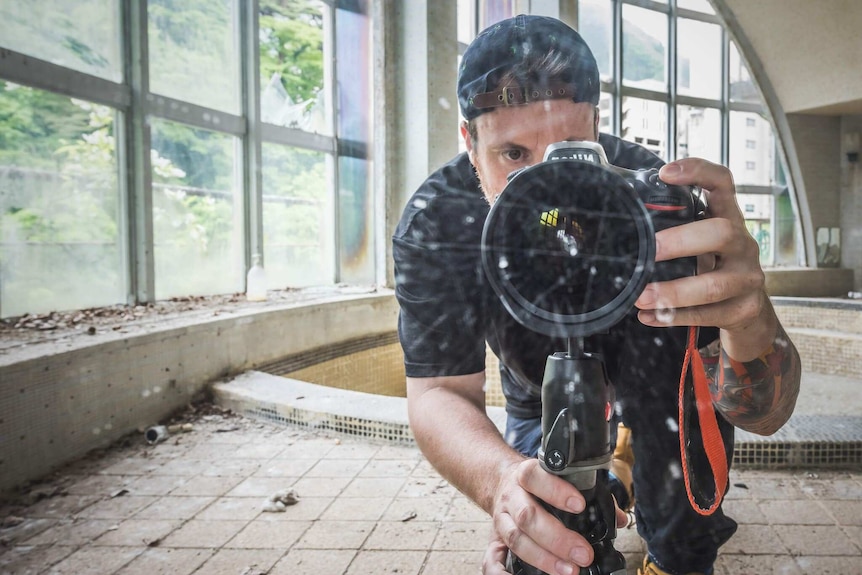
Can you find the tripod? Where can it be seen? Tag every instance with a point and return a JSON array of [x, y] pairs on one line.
[[576, 407]]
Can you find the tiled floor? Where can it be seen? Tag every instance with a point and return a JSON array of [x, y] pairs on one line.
[[193, 504]]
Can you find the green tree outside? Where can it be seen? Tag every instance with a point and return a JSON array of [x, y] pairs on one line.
[[60, 205]]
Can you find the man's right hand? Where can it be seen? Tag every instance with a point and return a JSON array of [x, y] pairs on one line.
[[451, 426], [524, 526], [496, 554]]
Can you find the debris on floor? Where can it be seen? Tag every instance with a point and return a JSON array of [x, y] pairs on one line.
[[278, 501]]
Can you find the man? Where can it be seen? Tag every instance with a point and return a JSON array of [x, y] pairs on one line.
[[449, 312]]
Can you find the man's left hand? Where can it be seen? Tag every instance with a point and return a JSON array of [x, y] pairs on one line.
[[728, 290]]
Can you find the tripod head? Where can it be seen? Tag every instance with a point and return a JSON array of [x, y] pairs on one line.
[[576, 406]]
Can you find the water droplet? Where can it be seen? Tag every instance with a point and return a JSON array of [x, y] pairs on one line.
[[444, 103], [593, 271], [672, 424], [469, 220], [511, 437], [420, 204], [658, 341], [503, 263], [157, 389], [664, 313], [675, 470], [619, 283], [145, 393]]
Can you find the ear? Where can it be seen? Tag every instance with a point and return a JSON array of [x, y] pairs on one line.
[[468, 141], [597, 115]]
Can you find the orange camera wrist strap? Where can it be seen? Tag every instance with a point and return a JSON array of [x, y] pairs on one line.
[[712, 440]]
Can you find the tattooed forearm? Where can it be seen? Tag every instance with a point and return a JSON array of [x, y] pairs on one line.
[[757, 395]]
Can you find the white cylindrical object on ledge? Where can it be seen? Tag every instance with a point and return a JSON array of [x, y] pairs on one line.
[[255, 286]]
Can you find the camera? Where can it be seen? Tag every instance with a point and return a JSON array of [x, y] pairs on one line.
[[569, 244]]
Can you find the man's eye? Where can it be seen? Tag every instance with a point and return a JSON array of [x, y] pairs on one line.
[[514, 155]]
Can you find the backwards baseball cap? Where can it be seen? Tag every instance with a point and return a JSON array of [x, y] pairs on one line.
[[505, 49]]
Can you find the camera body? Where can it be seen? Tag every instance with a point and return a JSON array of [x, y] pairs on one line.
[[569, 244], [666, 205]]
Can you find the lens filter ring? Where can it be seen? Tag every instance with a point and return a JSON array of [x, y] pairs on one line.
[[568, 247]]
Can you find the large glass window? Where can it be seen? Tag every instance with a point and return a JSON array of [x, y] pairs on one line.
[[196, 211], [357, 212], [164, 175], [60, 226], [298, 227], [645, 122], [492, 11], [83, 35], [355, 199], [194, 52], [698, 59], [716, 110], [742, 87], [292, 63], [645, 36], [752, 150], [698, 133], [597, 28]]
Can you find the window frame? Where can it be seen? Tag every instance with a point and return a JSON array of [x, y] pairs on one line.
[[135, 105]]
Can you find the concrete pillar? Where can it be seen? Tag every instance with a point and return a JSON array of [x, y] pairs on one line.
[[418, 107]]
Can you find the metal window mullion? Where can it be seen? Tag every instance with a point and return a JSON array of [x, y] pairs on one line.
[[646, 94], [140, 204], [725, 97], [29, 71], [700, 16], [617, 58], [696, 101], [649, 4], [297, 138], [330, 82], [194, 115], [748, 107], [672, 76], [252, 147]]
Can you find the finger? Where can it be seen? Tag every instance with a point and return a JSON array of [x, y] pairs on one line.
[[527, 550], [553, 490], [729, 314], [713, 235], [541, 526], [709, 288], [494, 560], [622, 518], [715, 179], [530, 531]]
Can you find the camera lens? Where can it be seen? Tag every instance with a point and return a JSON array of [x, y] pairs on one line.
[[568, 247]]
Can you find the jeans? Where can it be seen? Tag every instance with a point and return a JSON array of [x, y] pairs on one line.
[[679, 540]]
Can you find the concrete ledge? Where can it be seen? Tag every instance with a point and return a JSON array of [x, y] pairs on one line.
[[827, 332], [809, 282], [58, 403], [806, 441], [288, 401]]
